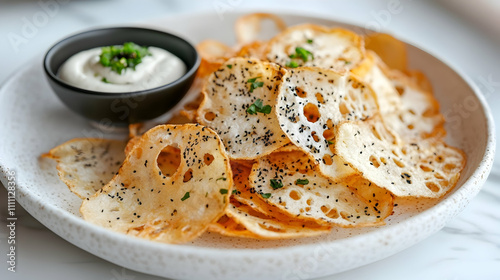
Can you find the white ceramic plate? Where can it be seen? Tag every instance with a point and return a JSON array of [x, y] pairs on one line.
[[34, 121]]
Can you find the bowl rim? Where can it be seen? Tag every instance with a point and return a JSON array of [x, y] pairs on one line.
[[53, 76]]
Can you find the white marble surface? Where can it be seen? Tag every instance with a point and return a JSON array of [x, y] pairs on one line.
[[467, 248]]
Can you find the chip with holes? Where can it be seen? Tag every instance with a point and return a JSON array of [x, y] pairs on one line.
[[239, 100], [371, 73], [418, 115], [266, 227], [405, 107], [317, 46], [244, 193], [248, 27], [85, 165], [214, 51], [168, 159], [427, 168], [298, 190], [143, 201], [311, 102], [391, 50]]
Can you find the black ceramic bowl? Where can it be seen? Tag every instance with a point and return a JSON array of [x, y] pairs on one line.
[[128, 107]]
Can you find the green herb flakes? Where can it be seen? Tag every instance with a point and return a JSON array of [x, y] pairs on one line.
[[223, 191], [254, 84], [302, 182], [258, 107], [302, 53], [186, 196], [121, 57], [276, 184], [292, 64], [265, 195]]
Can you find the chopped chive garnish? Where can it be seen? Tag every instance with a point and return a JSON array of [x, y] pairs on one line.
[[276, 184], [258, 107], [266, 195], [292, 64], [129, 55], [186, 196], [254, 84], [302, 53], [302, 182]]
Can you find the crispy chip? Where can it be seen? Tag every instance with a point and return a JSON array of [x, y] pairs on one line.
[[244, 193], [265, 227], [142, 201], [426, 168], [391, 50], [214, 51], [188, 113], [168, 159], [194, 96], [237, 96], [85, 165], [134, 129], [329, 48], [131, 143], [228, 227], [247, 27], [418, 114], [195, 92], [404, 106], [205, 70], [290, 147], [371, 73], [417, 79], [311, 102], [182, 117], [290, 182], [253, 50]]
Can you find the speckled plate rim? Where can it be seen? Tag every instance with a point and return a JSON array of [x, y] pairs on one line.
[[321, 253]]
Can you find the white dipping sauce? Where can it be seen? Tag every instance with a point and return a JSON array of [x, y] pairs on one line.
[[84, 70]]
